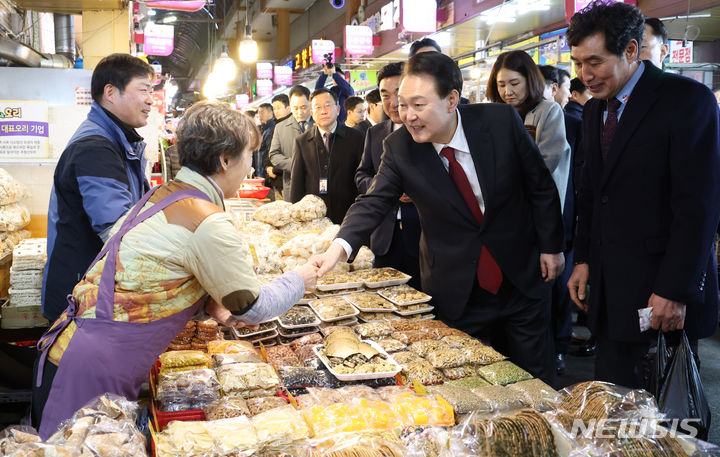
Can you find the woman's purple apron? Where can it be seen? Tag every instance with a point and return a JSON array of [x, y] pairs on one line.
[[106, 355]]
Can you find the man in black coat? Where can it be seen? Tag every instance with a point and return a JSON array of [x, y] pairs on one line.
[[649, 202], [490, 213], [325, 158]]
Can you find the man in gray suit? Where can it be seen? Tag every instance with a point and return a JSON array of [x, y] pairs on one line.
[[283, 140]]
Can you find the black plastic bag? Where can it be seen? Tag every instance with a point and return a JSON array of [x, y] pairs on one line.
[[681, 395], [655, 365]]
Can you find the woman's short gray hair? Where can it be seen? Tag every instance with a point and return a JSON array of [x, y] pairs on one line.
[[210, 129]]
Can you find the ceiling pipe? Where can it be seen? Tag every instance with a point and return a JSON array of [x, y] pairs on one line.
[[25, 55], [65, 36]]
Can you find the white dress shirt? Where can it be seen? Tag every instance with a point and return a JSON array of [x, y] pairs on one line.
[[464, 158]]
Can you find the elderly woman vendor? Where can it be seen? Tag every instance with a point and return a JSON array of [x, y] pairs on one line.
[[172, 250]]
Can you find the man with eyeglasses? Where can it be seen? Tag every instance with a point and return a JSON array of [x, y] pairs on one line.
[[281, 148], [325, 158]]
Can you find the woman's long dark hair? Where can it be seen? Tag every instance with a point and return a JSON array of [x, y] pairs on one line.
[[522, 63]]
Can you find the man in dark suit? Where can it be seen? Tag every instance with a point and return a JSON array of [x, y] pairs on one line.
[[395, 242], [355, 109], [649, 202], [490, 213], [281, 147], [325, 158]]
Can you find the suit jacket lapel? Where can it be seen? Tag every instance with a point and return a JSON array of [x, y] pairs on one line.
[[483, 155], [640, 102]]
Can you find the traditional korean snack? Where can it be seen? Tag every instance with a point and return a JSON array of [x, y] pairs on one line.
[[369, 302], [462, 399], [525, 433], [298, 377], [404, 295], [240, 357], [307, 340], [12, 438], [293, 333], [184, 358], [405, 357], [187, 390], [446, 358], [459, 372], [503, 373], [233, 436], [378, 316], [185, 438], [247, 379], [298, 316], [259, 405], [347, 354], [501, 397], [424, 347], [377, 275], [226, 407], [276, 213], [471, 382], [411, 336], [537, 394], [363, 260], [373, 329], [264, 327], [339, 278], [404, 325], [420, 371], [308, 208], [13, 217], [391, 344], [333, 308], [329, 329], [280, 427], [416, 409], [230, 347], [282, 356]]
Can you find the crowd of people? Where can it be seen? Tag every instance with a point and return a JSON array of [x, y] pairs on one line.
[[597, 190]]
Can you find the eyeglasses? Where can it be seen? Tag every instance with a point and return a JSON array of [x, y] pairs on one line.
[[326, 106]]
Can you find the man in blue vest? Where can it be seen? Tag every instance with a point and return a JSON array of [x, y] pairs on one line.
[[99, 176]]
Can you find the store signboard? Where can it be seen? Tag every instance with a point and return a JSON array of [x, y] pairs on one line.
[[573, 6], [419, 15], [264, 87], [158, 97], [358, 40], [283, 75], [387, 17], [361, 80], [680, 53], [159, 39], [549, 51], [242, 100], [24, 129], [320, 48], [264, 70]]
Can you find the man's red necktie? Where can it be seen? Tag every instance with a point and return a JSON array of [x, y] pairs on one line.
[[488, 272]]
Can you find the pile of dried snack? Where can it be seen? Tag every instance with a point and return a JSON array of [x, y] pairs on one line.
[[196, 335]]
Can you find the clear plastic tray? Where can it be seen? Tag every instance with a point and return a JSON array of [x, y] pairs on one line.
[[314, 323], [429, 317], [391, 316], [298, 335], [360, 376], [241, 336], [305, 301], [417, 311], [338, 318], [371, 310], [389, 282], [263, 337], [340, 285], [412, 302]]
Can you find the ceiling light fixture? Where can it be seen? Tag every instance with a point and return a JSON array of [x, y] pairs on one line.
[[225, 67], [248, 49], [169, 19]]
